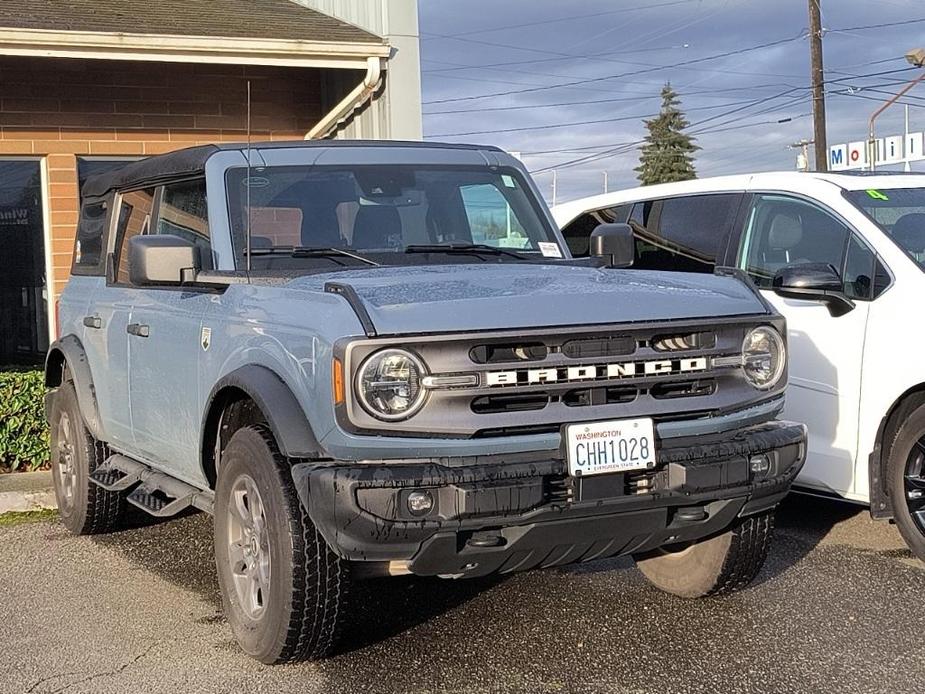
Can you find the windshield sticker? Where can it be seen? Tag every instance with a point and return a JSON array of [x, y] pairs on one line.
[[877, 195], [508, 181], [550, 250]]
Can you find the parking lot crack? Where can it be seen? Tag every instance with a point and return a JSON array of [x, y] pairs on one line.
[[94, 676]]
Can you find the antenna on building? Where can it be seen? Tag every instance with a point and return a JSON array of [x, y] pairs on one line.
[[247, 187]]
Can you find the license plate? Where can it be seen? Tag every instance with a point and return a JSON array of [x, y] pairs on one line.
[[596, 448]]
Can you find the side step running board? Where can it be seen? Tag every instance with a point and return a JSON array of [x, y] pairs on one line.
[[157, 493]]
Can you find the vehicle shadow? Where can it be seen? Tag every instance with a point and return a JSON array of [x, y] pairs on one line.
[[180, 551]]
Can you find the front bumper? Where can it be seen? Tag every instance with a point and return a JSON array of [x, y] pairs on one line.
[[521, 511]]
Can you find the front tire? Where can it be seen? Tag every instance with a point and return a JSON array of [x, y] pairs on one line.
[[717, 565], [283, 589], [84, 507], [906, 480]]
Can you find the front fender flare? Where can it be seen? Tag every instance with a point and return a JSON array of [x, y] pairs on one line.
[[69, 351], [284, 414]]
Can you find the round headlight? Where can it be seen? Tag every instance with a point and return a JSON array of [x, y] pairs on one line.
[[763, 357], [389, 384]]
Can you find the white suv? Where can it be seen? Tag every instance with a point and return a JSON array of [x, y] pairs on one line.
[[842, 257]]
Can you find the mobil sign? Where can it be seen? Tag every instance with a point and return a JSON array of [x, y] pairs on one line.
[[890, 150]]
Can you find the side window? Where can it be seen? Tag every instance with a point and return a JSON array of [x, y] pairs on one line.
[[859, 270], [183, 212], [783, 231], [135, 210], [577, 233], [91, 237], [691, 232]]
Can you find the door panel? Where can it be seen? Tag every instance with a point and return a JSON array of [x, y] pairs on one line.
[[826, 352], [107, 351], [166, 342], [164, 368], [826, 356]]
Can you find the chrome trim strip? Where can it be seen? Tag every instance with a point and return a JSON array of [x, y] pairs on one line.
[[731, 360], [712, 425], [462, 381]]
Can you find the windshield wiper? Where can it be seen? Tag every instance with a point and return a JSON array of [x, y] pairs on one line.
[[313, 252], [462, 248]]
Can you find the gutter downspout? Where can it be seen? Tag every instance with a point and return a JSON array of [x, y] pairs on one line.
[[360, 94]]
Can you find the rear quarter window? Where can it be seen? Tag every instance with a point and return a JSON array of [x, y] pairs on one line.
[[90, 244]]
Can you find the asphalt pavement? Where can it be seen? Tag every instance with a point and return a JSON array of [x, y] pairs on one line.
[[837, 608]]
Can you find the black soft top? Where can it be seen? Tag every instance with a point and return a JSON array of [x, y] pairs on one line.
[[192, 161]]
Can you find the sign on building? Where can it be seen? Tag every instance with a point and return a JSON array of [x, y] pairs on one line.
[[895, 149]]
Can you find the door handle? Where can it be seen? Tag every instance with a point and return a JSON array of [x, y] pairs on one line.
[[138, 330], [94, 322]]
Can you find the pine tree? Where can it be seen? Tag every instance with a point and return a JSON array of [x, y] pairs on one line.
[[668, 152]]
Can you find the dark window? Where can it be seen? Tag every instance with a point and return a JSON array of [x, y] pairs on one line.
[[782, 231], [135, 211], [691, 232], [577, 233], [91, 237], [183, 212], [859, 270], [23, 307]]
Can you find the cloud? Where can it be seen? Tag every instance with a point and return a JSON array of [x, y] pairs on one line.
[[622, 52]]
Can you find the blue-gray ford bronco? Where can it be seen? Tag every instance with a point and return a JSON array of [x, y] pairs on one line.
[[371, 359]]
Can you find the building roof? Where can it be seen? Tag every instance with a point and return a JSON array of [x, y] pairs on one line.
[[192, 160], [266, 19]]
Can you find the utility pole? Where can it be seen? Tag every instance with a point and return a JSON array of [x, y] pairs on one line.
[[555, 181], [818, 82], [803, 154], [605, 177]]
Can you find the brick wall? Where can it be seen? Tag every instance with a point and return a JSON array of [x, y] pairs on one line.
[[60, 109]]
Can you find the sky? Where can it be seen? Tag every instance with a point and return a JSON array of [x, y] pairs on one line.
[[567, 84]]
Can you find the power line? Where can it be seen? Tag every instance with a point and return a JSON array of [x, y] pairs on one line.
[[572, 123], [585, 102], [654, 68], [918, 20], [606, 153], [625, 74], [569, 18]]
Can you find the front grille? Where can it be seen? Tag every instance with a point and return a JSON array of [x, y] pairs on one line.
[[540, 379]]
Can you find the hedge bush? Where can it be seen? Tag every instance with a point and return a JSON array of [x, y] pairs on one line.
[[23, 430]]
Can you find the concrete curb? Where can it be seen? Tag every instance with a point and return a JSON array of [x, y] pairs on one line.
[[26, 491]]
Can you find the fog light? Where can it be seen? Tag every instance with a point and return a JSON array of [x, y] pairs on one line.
[[420, 502], [759, 464]]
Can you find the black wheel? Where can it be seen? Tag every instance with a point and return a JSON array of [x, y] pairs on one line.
[[717, 565], [906, 480], [283, 589], [84, 507]]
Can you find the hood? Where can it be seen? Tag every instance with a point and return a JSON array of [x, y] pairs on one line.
[[499, 296]]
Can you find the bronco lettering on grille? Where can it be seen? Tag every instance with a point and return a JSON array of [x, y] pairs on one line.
[[616, 370]]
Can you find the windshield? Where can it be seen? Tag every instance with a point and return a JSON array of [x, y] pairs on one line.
[[384, 212], [900, 212]]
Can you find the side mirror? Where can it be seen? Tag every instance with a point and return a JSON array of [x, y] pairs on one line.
[[162, 259], [614, 244], [813, 282]]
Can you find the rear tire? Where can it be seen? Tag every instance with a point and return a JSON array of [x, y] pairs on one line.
[[715, 566], [283, 589], [84, 507], [906, 480]]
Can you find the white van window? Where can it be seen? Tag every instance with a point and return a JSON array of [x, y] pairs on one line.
[[900, 212], [782, 231], [691, 232], [683, 234]]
